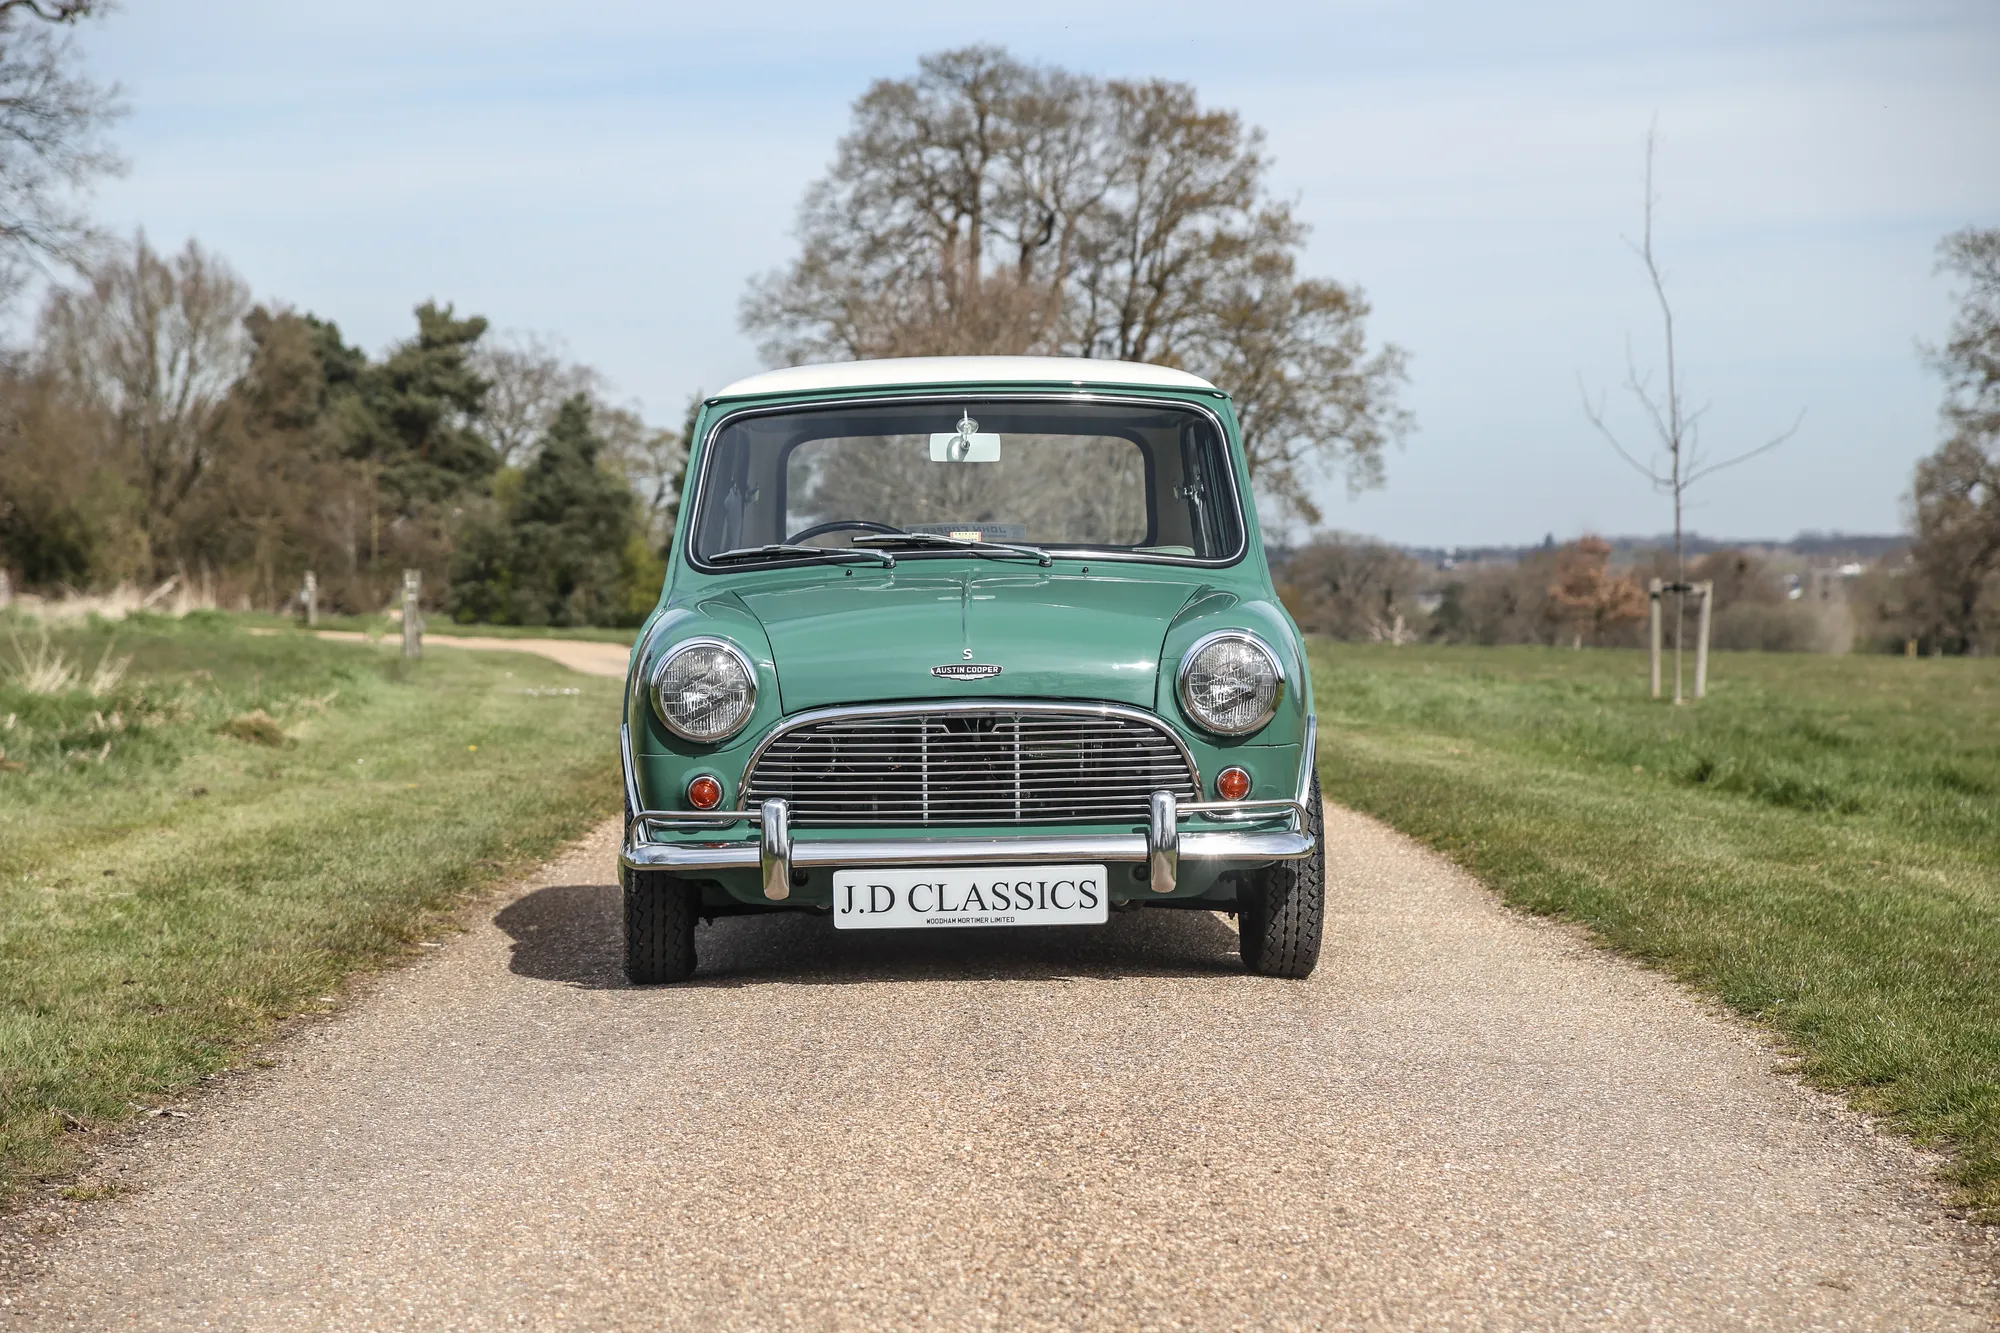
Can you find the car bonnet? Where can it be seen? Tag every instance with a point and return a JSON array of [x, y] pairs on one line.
[[935, 629]]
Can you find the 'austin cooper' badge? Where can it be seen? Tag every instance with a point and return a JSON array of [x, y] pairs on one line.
[[965, 670]]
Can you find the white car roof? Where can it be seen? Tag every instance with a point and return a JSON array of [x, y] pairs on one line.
[[925, 370]]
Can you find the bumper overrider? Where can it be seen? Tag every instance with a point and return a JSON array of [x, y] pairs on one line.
[[1175, 830]]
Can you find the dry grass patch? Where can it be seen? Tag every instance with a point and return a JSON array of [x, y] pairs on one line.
[[258, 728]]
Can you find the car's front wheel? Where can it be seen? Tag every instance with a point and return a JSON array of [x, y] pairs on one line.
[[1281, 911], [660, 912]]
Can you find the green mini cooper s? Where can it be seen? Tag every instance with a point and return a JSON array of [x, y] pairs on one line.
[[969, 641]]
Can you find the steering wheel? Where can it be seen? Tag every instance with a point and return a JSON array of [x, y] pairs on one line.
[[841, 525]]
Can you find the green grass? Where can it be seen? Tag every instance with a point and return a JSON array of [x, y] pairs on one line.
[[213, 843], [1817, 844], [438, 627]]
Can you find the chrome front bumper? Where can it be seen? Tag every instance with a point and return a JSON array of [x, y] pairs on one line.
[[777, 853]]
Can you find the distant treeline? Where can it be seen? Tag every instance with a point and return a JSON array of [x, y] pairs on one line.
[[1586, 594], [161, 424], [1851, 546]]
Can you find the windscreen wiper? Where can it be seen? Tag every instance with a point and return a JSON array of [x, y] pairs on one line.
[[783, 550], [939, 540]]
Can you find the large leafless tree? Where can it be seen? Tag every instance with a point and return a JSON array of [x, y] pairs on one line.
[[1957, 492], [151, 344], [988, 205], [529, 378], [52, 145]]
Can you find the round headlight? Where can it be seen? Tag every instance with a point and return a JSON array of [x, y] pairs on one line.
[[1231, 683], [704, 690]]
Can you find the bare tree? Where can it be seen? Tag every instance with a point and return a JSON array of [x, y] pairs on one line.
[[945, 221], [1293, 353], [530, 377], [1185, 207], [61, 499], [650, 458], [52, 123], [151, 344], [1677, 461], [1956, 495], [60, 11], [986, 205]]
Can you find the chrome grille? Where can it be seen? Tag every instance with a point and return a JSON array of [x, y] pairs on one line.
[[991, 765]]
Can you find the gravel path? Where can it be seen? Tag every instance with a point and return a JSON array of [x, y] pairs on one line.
[[593, 659], [1466, 1119]]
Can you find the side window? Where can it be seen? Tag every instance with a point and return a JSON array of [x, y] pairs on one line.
[[740, 497], [1206, 491]]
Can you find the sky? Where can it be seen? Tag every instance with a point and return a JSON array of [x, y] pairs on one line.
[[614, 174]]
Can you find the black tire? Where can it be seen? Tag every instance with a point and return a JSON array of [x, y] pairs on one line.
[[1281, 911], [660, 913]]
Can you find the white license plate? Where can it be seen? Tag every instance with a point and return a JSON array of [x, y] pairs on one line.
[[970, 896]]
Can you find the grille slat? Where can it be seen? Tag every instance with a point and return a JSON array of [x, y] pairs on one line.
[[915, 772], [909, 769]]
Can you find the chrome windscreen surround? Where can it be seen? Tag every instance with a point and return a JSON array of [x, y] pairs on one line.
[[955, 763], [667, 658], [1240, 636]]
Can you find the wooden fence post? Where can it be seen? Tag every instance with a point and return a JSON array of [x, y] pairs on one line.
[[310, 596], [413, 619], [1653, 591], [6, 590], [1707, 590]]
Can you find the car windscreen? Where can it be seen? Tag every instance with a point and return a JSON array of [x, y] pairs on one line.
[[1144, 480]]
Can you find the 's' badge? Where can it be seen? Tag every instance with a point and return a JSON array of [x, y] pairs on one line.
[[965, 670]]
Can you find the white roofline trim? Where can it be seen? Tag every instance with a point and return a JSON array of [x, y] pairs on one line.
[[929, 371]]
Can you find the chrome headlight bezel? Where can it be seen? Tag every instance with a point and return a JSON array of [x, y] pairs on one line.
[[667, 659], [1208, 724]]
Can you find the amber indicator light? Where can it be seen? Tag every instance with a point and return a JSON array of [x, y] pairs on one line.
[[705, 793], [1232, 784]]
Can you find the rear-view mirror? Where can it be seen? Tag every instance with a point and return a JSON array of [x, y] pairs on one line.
[[965, 445]]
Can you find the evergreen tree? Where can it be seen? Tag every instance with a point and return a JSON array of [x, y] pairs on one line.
[[555, 550], [284, 498], [414, 412]]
